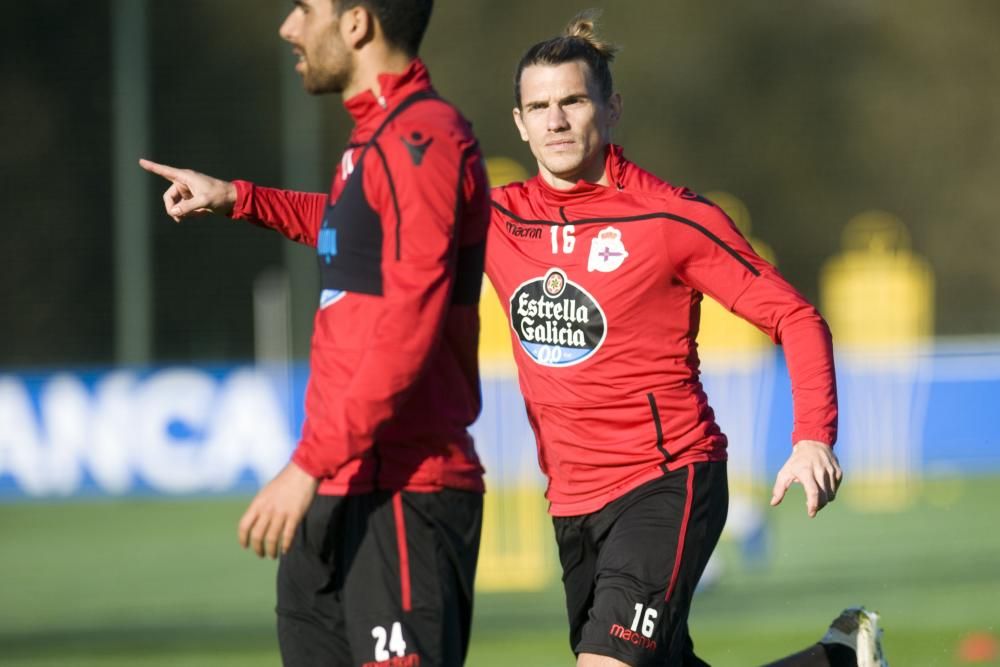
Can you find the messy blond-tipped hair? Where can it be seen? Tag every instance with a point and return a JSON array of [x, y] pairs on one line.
[[579, 41]]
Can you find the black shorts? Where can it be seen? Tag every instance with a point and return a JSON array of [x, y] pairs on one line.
[[380, 580], [630, 569]]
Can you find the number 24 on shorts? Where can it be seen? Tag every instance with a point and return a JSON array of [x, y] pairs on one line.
[[395, 642]]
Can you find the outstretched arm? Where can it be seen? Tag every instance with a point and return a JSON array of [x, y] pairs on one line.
[[296, 215], [192, 193]]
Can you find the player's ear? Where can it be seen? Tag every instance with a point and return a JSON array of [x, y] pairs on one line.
[[520, 124], [614, 109], [357, 26]]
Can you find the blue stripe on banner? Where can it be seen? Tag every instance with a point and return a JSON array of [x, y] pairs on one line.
[[225, 429]]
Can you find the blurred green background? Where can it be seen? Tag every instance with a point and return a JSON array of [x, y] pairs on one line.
[[163, 583]]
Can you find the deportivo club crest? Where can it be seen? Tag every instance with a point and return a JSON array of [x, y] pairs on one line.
[[556, 321], [555, 282], [607, 252]]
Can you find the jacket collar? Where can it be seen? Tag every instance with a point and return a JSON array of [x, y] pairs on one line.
[[365, 108]]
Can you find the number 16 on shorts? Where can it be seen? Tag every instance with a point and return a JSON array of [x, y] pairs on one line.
[[647, 617]]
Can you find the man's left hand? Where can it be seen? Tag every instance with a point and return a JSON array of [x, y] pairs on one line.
[[270, 521], [814, 466]]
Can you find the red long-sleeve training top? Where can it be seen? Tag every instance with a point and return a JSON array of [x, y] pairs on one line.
[[602, 287], [394, 380]]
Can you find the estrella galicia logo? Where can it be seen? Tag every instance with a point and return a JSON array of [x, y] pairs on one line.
[[557, 322], [326, 244]]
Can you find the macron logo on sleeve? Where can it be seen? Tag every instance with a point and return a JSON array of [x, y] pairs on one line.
[[690, 195], [416, 145]]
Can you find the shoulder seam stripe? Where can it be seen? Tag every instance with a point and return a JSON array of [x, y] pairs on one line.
[[639, 218]]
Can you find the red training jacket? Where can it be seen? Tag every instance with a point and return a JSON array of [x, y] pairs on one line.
[[602, 287], [394, 380]]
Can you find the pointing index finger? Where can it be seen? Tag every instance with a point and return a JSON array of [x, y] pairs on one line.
[[166, 171]]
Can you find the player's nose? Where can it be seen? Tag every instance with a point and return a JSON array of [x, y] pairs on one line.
[[557, 119], [287, 30]]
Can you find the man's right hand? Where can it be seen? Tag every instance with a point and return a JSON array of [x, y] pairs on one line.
[[191, 193]]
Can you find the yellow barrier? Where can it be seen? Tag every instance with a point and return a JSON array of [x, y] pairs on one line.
[[517, 552], [877, 294], [878, 297], [496, 358]]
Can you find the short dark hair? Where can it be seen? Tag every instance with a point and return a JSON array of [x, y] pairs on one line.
[[403, 22], [579, 41]]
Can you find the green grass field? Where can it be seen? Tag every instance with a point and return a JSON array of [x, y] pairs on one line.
[[163, 583]]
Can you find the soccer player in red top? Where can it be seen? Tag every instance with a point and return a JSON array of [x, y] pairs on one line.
[[601, 268], [378, 568]]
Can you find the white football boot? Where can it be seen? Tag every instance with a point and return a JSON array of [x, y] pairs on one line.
[[857, 628]]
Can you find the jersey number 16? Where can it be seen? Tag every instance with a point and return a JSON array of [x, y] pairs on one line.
[[568, 238]]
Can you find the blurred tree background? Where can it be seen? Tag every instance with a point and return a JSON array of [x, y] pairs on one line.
[[809, 112]]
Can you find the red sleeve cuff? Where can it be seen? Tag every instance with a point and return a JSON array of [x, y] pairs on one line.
[[244, 200], [826, 437], [304, 459]]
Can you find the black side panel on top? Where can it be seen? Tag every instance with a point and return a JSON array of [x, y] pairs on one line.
[[469, 274], [349, 247], [350, 244], [471, 258]]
